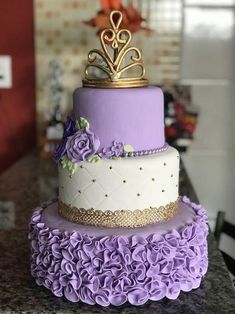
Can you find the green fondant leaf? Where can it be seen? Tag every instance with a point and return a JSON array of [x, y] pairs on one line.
[[117, 158], [83, 123], [69, 165], [128, 148], [94, 159], [77, 125]]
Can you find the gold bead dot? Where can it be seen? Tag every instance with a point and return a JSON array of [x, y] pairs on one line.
[[141, 168], [124, 181], [153, 179], [177, 185], [110, 167], [178, 156], [70, 176], [163, 190], [171, 175], [138, 194], [81, 166], [164, 164], [93, 180], [106, 195], [80, 191]]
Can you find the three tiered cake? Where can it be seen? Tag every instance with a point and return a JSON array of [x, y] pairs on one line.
[[119, 232]]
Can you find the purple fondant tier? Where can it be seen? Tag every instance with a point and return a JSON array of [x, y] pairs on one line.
[[133, 116], [113, 266]]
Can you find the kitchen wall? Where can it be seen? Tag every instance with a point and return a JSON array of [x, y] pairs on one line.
[[61, 35]]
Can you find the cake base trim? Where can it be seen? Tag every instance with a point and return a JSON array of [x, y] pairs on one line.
[[118, 218], [114, 269]]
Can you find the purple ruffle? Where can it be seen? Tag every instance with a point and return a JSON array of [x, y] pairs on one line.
[[116, 269]]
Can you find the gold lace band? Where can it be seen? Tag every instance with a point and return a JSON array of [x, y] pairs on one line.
[[118, 218]]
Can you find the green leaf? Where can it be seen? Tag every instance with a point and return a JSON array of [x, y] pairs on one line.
[[83, 123], [69, 165], [94, 159], [117, 158], [128, 148], [77, 125]]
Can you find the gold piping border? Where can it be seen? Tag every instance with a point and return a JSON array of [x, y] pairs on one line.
[[118, 218], [121, 83]]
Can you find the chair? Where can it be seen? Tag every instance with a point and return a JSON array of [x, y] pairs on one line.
[[223, 226]]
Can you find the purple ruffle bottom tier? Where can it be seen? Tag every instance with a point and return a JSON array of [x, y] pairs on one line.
[[112, 266]]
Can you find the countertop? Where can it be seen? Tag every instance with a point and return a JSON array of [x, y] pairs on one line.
[[32, 181]]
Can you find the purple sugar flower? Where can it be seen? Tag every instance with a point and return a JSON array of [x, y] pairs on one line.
[[115, 150], [59, 151], [106, 153], [69, 127], [82, 145]]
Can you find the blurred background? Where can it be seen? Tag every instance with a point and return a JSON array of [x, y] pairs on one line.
[[188, 48]]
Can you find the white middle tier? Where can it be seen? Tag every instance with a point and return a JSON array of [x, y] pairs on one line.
[[127, 184]]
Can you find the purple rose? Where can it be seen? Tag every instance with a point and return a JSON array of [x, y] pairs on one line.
[[82, 145], [69, 127], [115, 150], [59, 151]]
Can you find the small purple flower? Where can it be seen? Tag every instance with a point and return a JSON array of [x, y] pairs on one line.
[[82, 145], [106, 153], [59, 151], [69, 127], [115, 150]]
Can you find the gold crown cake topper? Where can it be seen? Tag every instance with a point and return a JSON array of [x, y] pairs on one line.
[[106, 68]]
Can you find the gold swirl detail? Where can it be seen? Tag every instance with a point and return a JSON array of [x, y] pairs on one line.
[[118, 218], [115, 59]]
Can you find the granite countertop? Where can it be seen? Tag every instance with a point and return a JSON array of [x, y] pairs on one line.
[[31, 181]]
